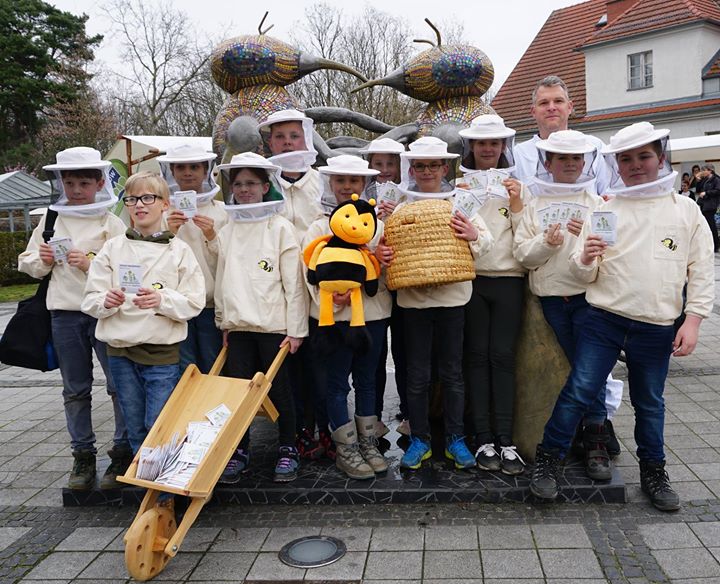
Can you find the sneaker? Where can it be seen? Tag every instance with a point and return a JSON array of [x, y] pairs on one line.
[[326, 441], [404, 428], [82, 475], [236, 466], [457, 451], [418, 451], [544, 481], [307, 446], [287, 465], [597, 460], [613, 446], [655, 483], [487, 457], [511, 462], [120, 459]]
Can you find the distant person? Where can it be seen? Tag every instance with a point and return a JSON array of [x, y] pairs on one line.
[[551, 108], [708, 197]]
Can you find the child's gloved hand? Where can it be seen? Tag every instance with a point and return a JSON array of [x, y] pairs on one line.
[[384, 253], [554, 235], [46, 254], [147, 298], [206, 225], [176, 219], [594, 247], [114, 298], [77, 259], [463, 227], [294, 343]]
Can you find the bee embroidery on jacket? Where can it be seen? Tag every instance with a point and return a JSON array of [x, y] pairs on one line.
[[90, 255], [669, 243], [265, 265], [157, 286], [504, 211]]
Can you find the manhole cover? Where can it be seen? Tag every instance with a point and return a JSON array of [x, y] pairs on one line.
[[312, 551]]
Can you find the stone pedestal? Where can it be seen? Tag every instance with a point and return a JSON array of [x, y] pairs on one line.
[[542, 369]]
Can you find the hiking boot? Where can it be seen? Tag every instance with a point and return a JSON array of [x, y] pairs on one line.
[[417, 451], [82, 476], [236, 466], [367, 439], [655, 483], [511, 463], [544, 481], [597, 459], [487, 457], [457, 451], [120, 459], [348, 458], [287, 464], [613, 446], [327, 443], [404, 428], [307, 446]]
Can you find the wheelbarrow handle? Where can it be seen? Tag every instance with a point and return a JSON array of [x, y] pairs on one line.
[[219, 362], [277, 362]]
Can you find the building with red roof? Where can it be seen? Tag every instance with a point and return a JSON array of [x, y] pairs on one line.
[[625, 61]]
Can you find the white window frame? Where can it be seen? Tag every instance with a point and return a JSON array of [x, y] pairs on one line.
[[640, 73]]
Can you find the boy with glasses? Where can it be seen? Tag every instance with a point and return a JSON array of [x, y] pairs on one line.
[[143, 287]]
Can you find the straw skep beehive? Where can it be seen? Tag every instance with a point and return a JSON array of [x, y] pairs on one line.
[[426, 251]]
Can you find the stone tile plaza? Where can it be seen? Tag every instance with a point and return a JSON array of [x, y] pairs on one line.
[[405, 542]]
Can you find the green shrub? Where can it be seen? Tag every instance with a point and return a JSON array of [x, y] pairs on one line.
[[11, 246]]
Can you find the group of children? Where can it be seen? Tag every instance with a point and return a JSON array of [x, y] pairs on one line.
[[173, 288]]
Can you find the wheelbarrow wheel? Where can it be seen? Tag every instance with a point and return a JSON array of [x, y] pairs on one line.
[[145, 543]]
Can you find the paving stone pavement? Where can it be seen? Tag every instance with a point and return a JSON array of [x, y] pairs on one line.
[[40, 541]]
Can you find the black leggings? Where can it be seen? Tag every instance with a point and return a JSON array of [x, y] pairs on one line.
[[249, 353], [493, 318]]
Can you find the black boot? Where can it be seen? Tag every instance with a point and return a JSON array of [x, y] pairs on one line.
[[655, 483], [544, 482], [82, 476], [597, 459], [613, 446], [120, 459]]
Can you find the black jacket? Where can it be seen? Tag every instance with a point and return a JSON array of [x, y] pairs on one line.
[[711, 187]]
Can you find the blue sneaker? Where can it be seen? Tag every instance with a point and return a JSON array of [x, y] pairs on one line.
[[418, 451], [287, 464], [457, 451], [236, 466]]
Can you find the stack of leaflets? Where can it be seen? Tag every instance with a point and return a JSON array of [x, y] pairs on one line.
[[561, 212], [174, 464], [467, 202], [61, 247], [604, 223], [185, 201]]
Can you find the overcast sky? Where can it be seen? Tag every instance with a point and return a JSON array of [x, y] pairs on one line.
[[503, 30]]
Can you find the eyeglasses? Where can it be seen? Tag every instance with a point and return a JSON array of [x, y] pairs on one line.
[[246, 184], [146, 200], [432, 166]]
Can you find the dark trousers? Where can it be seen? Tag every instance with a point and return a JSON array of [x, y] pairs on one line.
[[422, 327], [710, 218], [397, 347], [249, 353], [493, 318]]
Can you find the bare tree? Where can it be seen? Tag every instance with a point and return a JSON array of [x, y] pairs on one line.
[[165, 67]]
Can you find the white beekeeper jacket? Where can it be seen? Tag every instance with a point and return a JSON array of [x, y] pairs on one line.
[[169, 268]]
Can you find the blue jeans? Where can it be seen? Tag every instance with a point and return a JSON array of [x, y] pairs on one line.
[[142, 391], [203, 342], [343, 362], [566, 315], [647, 348], [74, 338]]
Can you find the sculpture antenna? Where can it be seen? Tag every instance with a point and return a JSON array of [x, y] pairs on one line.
[[432, 44], [437, 32], [260, 28]]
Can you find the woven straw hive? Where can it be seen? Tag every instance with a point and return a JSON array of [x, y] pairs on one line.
[[426, 251]]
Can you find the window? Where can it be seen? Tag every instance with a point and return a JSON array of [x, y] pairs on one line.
[[640, 73], [711, 86]]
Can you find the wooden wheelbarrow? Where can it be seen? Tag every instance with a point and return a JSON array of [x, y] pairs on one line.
[[154, 537]]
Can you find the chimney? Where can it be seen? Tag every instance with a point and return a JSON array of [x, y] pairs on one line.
[[616, 7]]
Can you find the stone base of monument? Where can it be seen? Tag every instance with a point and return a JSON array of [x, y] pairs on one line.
[[320, 483]]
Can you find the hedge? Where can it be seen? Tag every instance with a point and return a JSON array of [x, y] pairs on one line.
[[12, 245]]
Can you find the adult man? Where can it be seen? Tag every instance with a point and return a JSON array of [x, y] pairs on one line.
[[551, 109], [708, 197]]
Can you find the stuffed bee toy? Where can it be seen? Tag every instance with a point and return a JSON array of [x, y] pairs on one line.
[[340, 263]]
